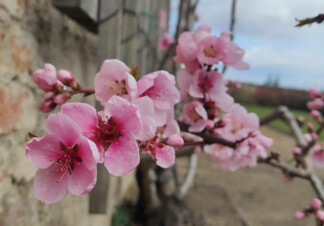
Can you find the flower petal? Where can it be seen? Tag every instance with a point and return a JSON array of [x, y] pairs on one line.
[[122, 157]]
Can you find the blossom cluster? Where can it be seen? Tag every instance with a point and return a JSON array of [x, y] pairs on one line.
[[137, 116], [210, 107]]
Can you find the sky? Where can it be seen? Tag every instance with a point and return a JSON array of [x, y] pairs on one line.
[[273, 46]]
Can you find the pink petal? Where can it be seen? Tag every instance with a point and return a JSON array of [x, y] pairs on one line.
[[41, 150], [62, 127], [88, 152], [122, 157], [82, 180], [126, 115], [198, 126], [146, 108], [165, 157], [49, 187], [84, 115]]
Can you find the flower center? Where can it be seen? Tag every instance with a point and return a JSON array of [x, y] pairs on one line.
[[210, 51], [107, 132], [68, 158], [119, 88], [236, 127], [193, 115], [204, 84]]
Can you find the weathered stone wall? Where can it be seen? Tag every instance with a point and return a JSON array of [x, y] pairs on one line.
[[33, 32]]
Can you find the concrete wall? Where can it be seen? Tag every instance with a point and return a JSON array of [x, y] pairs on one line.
[[33, 32]]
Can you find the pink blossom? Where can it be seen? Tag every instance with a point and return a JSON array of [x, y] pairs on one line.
[[286, 179], [310, 127], [175, 140], [245, 155], [297, 151], [299, 215], [46, 78], [160, 87], [62, 98], [320, 215], [66, 160], [315, 93], [316, 104], [316, 115], [240, 123], [146, 109], [197, 17], [48, 104], [316, 204], [213, 50], [165, 41], [114, 79], [195, 114], [114, 131], [164, 155], [162, 20], [184, 80], [67, 78], [171, 127], [188, 46], [317, 155], [210, 86]]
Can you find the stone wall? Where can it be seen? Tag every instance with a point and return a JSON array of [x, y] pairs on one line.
[[33, 32]]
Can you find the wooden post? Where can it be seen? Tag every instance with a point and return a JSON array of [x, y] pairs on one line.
[[110, 22]]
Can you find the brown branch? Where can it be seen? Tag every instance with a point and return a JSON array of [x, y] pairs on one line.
[[283, 113], [317, 19], [292, 171]]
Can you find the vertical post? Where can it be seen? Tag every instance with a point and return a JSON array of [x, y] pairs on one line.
[[110, 15]]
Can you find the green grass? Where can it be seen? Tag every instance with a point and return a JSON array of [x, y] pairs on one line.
[[279, 124]]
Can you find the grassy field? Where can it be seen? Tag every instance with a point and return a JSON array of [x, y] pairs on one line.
[[278, 124]]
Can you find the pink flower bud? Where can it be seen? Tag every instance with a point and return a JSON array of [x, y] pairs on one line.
[[65, 77], [310, 127], [197, 17], [314, 93], [216, 132], [320, 215], [61, 98], [316, 104], [45, 78], [47, 106], [308, 137], [297, 151], [299, 215], [48, 95], [316, 115], [286, 179], [314, 136], [209, 124], [316, 204], [175, 140]]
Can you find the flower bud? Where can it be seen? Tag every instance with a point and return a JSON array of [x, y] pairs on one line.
[[175, 140], [48, 95], [45, 78], [310, 127], [65, 77], [209, 124], [315, 104], [62, 98], [316, 204], [320, 215], [314, 136], [286, 179], [47, 106], [314, 93], [297, 151], [316, 115], [299, 215]]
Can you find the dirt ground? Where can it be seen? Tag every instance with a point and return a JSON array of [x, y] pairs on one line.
[[249, 197]]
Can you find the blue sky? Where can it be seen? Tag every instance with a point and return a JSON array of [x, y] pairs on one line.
[[265, 30]]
